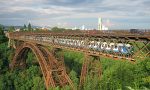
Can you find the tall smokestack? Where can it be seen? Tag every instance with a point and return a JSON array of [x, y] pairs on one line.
[[100, 23]]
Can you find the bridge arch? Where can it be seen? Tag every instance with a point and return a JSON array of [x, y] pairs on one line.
[[47, 62]]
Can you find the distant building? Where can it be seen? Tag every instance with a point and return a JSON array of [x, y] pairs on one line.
[[75, 28], [17, 30], [79, 28], [100, 25], [104, 27], [46, 28], [83, 27]]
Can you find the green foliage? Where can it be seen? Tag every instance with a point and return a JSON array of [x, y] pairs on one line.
[[30, 78], [22, 80], [73, 61], [1, 30], [29, 27], [73, 76], [2, 35], [24, 26], [31, 59], [3, 38], [91, 83], [56, 29], [121, 75], [4, 62], [11, 29]]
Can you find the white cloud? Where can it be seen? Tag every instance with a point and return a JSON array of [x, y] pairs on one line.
[[45, 12]]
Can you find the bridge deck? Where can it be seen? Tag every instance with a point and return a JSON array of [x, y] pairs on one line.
[[83, 41], [108, 34]]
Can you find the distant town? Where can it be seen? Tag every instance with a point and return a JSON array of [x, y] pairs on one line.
[[100, 26]]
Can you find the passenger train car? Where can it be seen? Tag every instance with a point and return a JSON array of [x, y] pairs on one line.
[[119, 48]]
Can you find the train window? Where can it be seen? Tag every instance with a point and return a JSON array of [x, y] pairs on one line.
[[97, 44], [129, 47], [119, 47], [93, 44], [112, 46]]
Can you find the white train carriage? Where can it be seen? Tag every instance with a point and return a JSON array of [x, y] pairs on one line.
[[93, 45]]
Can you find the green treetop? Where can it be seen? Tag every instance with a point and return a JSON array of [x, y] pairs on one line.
[[29, 27], [1, 30], [11, 29], [25, 27]]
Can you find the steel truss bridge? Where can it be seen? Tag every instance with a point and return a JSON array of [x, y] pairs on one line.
[[94, 44]]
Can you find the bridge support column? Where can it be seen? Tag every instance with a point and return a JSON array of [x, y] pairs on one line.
[[91, 66], [13, 43], [59, 71], [20, 60], [9, 43]]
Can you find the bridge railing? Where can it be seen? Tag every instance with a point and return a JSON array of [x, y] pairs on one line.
[[89, 32]]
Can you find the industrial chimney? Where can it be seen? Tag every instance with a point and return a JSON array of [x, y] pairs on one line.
[[100, 23]]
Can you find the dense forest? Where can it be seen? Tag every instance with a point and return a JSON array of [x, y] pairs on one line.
[[116, 75]]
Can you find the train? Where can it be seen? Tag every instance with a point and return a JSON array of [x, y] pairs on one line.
[[110, 47]]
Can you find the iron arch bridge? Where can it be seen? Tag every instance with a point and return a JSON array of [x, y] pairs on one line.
[[118, 45]]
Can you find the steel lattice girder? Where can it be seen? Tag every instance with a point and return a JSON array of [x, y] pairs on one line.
[[82, 40], [50, 67]]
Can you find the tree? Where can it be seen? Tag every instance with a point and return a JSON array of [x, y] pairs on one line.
[[38, 83], [29, 27], [24, 26], [2, 84], [73, 76], [1, 30], [11, 29], [56, 29], [2, 35], [30, 58]]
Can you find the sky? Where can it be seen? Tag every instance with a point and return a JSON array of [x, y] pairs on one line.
[[116, 14]]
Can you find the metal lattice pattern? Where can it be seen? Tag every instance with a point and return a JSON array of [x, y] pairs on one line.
[[117, 45], [53, 72], [127, 46]]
